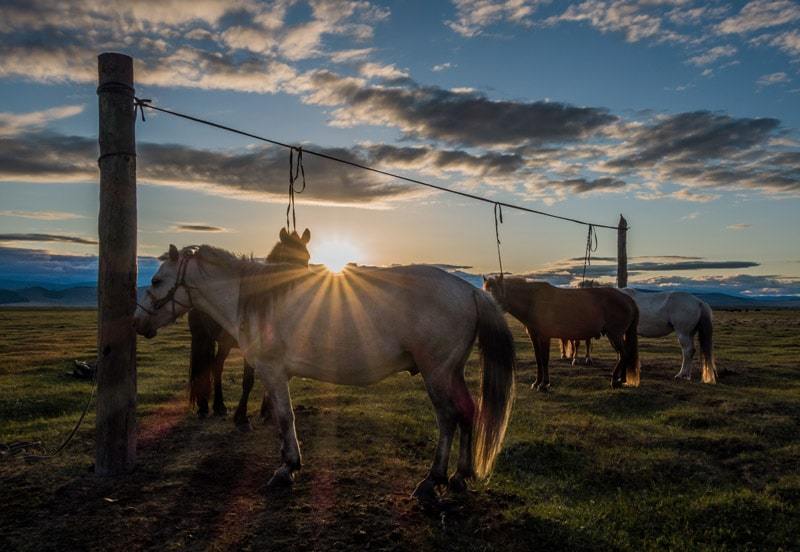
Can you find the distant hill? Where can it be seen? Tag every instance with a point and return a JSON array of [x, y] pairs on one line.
[[85, 296]]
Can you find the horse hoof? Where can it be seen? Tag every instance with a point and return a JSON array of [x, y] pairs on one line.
[[202, 414], [543, 387], [457, 484], [679, 377], [220, 412], [589, 362], [281, 479], [616, 383], [426, 492]]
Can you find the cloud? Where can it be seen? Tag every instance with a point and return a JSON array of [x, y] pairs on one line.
[[712, 55], [14, 123], [46, 238], [760, 14], [443, 67], [198, 227], [788, 42], [42, 215], [772, 78], [456, 117], [629, 17], [473, 16], [373, 70], [739, 226]]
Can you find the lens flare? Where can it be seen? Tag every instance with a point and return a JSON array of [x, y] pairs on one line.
[[335, 254]]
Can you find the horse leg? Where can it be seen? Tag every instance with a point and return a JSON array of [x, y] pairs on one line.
[[538, 354], [576, 345], [588, 359], [618, 375], [465, 469], [240, 417], [544, 369], [441, 394], [265, 412], [687, 348], [281, 403], [564, 350], [219, 364]]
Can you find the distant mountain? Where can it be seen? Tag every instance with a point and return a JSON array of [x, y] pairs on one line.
[[85, 296], [38, 296]]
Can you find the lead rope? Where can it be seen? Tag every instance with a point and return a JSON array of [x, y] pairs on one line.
[[591, 247], [498, 220], [295, 171]]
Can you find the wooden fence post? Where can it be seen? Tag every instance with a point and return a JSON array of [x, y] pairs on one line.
[[116, 282], [622, 253]]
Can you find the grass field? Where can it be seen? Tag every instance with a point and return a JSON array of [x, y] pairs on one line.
[[681, 466]]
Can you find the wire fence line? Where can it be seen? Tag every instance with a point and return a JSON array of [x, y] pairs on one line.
[[141, 104]]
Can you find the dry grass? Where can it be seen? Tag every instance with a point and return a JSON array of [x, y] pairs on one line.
[[667, 465]]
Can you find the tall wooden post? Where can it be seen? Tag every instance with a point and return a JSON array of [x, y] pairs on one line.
[[116, 283], [622, 253]]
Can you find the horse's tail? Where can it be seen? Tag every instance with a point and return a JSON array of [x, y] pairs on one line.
[[632, 373], [201, 359], [705, 334], [497, 383]]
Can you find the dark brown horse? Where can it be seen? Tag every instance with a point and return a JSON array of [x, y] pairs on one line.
[[211, 344], [574, 314]]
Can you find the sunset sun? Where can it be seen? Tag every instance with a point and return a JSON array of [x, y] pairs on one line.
[[335, 254]]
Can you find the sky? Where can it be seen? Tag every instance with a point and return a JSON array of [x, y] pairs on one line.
[[684, 116]]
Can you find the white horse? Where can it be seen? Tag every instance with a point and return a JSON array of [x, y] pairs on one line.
[[354, 329], [661, 313]]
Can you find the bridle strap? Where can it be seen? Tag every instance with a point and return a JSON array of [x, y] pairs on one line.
[[180, 281]]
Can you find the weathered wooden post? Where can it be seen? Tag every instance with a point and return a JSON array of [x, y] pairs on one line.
[[116, 282], [622, 253]]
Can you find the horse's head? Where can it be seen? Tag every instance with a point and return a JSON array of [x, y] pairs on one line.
[[291, 249], [495, 286], [168, 295]]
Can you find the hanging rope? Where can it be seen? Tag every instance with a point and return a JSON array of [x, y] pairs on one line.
[[498, 220], [295, 170], [591, 247]]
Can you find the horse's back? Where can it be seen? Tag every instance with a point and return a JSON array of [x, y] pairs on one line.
[[367, 323], [661, 312]]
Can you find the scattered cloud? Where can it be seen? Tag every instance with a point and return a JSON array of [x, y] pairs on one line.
[[760, 14], [443, 67], [46, 238], [42, 215], [373, 70], [14, 123], [473, 16], [772, 78], [739, 226], [712, 55], [198, 227]]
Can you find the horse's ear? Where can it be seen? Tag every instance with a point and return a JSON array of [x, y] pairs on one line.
[[173, 253], [284, 235], [485, 279], [306, 236]]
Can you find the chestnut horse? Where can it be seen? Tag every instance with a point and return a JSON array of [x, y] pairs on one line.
[[574, 314], [211, 344]]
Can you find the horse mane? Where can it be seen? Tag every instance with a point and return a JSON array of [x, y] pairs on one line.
[[261, 284]]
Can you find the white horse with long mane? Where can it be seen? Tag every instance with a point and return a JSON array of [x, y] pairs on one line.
[[355, 329], [662, 312]]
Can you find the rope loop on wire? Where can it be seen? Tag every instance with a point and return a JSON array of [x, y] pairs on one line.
[[297, 172], [498, 220], [591, 247]]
